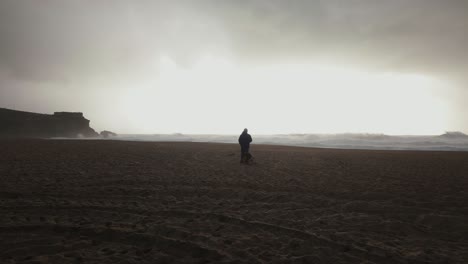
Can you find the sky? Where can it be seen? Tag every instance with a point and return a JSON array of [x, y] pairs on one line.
[[214, 67]]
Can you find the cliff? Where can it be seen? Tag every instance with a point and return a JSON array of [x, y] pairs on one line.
[[61, 124]]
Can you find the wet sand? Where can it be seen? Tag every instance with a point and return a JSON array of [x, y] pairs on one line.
[[146, 202]]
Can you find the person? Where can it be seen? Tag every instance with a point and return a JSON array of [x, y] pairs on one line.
[[244, 142]]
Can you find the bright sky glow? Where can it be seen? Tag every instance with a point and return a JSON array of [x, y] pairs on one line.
[[134, 67], [215, 96]]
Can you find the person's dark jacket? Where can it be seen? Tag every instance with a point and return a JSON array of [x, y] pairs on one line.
[[245, 139]]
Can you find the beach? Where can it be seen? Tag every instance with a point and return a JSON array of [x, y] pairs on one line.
[[104, 201]]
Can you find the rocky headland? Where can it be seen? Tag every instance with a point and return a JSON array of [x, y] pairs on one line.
[[34, 125]]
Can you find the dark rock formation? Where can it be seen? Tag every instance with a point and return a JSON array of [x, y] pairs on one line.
[[454, 135], [106, 134], [61, 124]]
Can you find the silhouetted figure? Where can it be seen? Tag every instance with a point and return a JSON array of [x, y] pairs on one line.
[[244, 142]]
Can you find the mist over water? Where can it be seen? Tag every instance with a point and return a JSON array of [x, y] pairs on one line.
[[446, 142]]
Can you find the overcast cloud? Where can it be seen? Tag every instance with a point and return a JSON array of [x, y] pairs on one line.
[[62, 55]]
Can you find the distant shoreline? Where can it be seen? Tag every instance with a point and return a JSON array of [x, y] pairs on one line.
[[341, 141]]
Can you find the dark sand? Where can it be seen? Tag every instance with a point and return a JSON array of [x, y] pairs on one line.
[[136, 202]]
